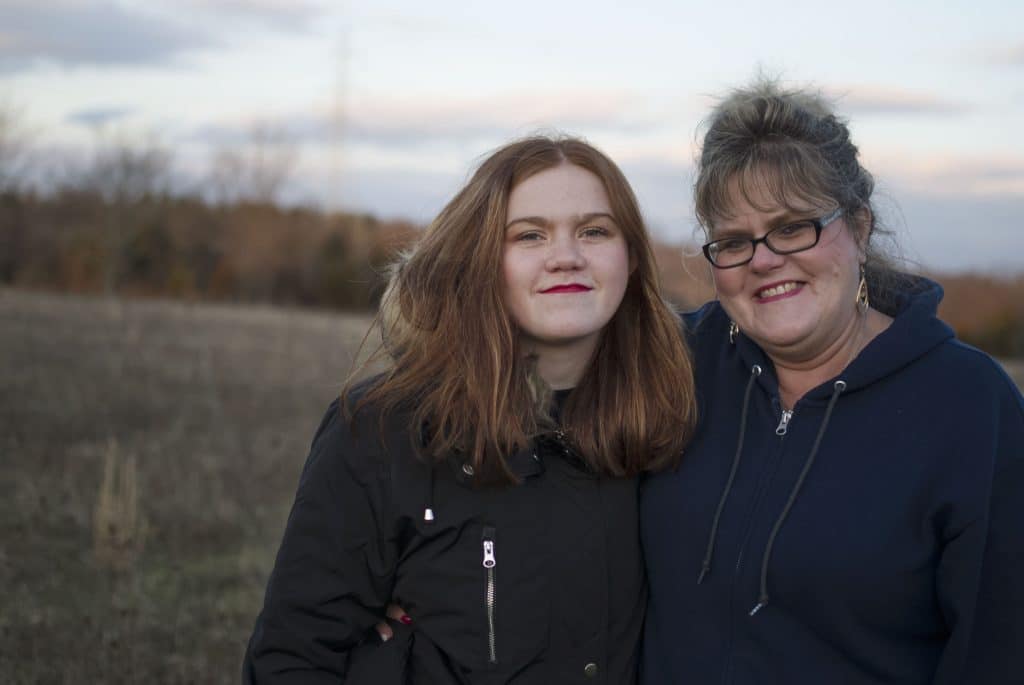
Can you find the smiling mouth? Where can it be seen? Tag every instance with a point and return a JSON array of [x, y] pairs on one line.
[[777, 290], [568, 288]]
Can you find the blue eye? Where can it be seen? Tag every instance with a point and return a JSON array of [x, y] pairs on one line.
[[594, 232]]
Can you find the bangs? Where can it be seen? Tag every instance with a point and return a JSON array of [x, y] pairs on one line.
[[771, 176]]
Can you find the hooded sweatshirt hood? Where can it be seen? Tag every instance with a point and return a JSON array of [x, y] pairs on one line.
[[915, 330]]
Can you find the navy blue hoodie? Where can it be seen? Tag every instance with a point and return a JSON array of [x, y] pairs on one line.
[[878, 537]]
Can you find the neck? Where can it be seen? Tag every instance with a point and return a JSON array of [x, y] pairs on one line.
[[798, 374], [562, 366]]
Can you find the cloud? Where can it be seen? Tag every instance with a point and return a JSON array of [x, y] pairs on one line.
[[99, 116], [894, 101], [291, 15], [75, 33], [957, 232], [410, 123], [953, 212], [968, 176], [1008, 55]]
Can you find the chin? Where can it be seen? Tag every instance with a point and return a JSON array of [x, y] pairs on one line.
[[779, 336], [564, 336]]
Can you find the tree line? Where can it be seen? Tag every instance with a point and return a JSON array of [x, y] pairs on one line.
[[120, 225]]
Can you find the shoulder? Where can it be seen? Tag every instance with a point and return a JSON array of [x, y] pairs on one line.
[[983, 417], [701, 317], [356, 438], [709, 320], [975, 373]]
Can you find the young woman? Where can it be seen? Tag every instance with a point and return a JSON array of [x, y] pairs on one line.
[[850, 509], [486, 483]]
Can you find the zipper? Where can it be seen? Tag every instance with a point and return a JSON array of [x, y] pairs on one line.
[[783, 426], [489, 564], [766, 479]]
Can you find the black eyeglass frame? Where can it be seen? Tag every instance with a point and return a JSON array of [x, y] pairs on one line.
[[819, 224]]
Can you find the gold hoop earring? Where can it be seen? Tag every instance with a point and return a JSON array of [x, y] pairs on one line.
[[862, 293], [733, 330]]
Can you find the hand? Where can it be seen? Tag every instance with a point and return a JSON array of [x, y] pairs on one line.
[[395, 613]]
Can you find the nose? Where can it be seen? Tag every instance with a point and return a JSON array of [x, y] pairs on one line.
[[764, 259], [565, 254]]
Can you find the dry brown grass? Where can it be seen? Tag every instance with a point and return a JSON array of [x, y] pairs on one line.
[[183, 426], [117, 528]]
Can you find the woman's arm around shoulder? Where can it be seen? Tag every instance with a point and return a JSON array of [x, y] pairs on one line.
[[334, 571]]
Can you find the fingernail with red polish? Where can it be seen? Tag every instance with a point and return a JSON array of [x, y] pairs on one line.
[[406, 619]]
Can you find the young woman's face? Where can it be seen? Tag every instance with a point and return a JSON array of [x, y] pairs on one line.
[[566, 263]]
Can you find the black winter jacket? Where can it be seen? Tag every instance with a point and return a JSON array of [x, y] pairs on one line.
[[540, 582]]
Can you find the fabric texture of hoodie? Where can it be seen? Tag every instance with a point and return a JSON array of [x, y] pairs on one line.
[[876, 537]]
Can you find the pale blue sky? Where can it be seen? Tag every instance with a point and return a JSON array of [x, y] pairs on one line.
[[389, 104]]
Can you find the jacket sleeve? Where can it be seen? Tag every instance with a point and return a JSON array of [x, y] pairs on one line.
[[981, 571], [334, 571]]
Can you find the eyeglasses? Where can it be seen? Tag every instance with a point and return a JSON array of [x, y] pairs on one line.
[[726, 253]]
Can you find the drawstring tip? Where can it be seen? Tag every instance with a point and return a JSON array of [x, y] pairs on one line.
[[428, 514], [703, 572], [760, 605]]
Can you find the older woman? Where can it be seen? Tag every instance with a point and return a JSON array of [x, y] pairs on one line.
[[851, 508]]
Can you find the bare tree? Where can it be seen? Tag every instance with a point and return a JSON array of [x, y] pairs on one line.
[[124, 172], [13, 144], [132, 178], [254, 170]]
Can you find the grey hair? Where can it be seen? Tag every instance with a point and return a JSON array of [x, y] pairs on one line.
[[788, 146]]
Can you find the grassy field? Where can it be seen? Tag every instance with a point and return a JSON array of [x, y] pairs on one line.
[[150, 452]]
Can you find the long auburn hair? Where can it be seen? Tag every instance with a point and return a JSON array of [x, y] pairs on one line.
[[455, 358]]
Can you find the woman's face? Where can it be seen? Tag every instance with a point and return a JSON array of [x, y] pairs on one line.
[[794, 306], [565, 263]]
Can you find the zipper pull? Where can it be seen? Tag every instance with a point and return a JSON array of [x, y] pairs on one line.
[[489, 560], [787, 414]]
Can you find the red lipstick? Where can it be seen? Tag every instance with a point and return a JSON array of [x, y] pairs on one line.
[[567, 288]]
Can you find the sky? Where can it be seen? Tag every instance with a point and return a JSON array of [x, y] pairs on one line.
[[387, 106]]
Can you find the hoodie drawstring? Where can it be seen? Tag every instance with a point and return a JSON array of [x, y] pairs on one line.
[[755, 371], [762, 600]]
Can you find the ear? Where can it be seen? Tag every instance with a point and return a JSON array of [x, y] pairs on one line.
[[860, 226]]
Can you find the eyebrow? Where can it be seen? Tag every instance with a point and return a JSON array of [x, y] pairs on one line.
[[781, 218], [544, 222]]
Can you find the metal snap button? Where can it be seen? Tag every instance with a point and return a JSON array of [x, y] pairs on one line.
[[590, 670], [468, 470]]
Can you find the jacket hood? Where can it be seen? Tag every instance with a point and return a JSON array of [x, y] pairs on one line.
[[915, 331]]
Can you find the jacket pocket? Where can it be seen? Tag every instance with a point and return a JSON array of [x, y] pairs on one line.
[[490, 565]]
